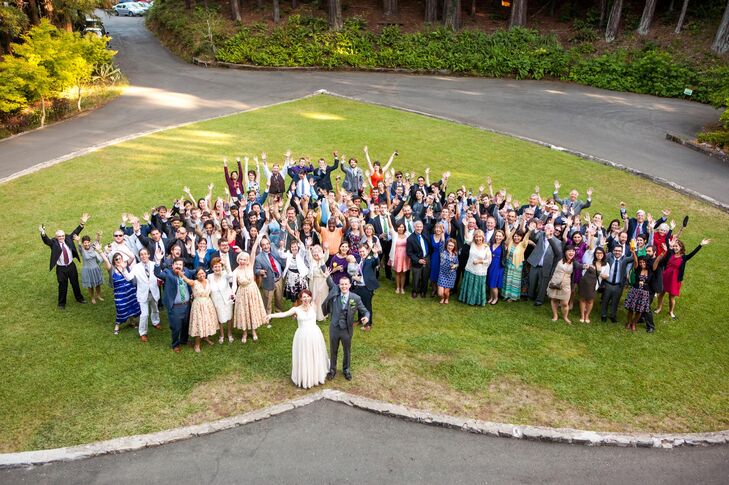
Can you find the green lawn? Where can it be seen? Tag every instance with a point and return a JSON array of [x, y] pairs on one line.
[[69, 380]]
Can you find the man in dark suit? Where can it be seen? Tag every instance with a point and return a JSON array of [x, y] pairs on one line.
[[322, 175], [614, 283], [542, 261], [365, 282], [227, 257], [341, 305], [418, 252], [154, 244], [639, 225], [269, 265], [176, 298], [63, 250]]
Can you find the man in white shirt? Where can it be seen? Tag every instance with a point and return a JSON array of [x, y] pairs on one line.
[[147, 292]]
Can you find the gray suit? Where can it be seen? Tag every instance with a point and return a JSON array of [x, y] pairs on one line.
[[577, 205], [542, 261], [271, 287], [341, 323]]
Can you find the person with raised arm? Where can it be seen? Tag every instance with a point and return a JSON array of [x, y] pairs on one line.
[[125, 294], [572, 203], [232, 179], [63, 251], [673, 275], [203, 317]]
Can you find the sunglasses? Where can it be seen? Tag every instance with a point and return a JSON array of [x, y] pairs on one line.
[[118, 235]]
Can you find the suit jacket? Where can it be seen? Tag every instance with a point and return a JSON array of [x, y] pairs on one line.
[[415, 251], [56, 247], [369, 272], [170, 288], [541, 249], [151, 245], [331, 306], [231, 257], [323, 179], [262, 262], [577, 205], [145, 284]]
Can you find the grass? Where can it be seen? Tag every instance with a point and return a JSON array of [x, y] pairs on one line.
[[68, 380]]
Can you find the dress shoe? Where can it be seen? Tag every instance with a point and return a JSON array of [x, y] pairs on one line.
[[538, 303], [177, 350], [330, 375], [650, 330], [81, 302], [613, 319], [61, 307], [143, 338], [603, 319], [348, 375], [414, 295]]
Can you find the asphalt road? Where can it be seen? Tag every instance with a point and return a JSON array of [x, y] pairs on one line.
[[625, 128], [328, 442]]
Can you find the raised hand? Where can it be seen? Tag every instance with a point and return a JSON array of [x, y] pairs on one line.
[[536, 189], [125, 218], [225, 162], [76, 237], [489, 181], [145, 216], [210, 186], [263, 156], [704, 242], [672, 225], [589, 192], [427, 170], [186, 189], [84, 218], [42, 229], [666, 212], [556, 185], [365, 149]]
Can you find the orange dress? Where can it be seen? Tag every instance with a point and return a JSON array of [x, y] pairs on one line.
[[375, 178]]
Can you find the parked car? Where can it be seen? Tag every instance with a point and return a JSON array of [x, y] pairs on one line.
[[93, 24], [143, 5], [128, 9]]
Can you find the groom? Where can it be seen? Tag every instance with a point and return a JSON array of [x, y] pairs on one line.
[[342, 305]]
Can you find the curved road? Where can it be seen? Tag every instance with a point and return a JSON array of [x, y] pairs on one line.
[[625, 128], [328, 442]]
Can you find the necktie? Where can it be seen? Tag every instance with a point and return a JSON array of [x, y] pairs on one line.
[[66, 258], [146, 270], [273, 266], [614, 276], [422, 246], [385, 226], [344, 302], [410, 226], [181, 288], [160, 248]]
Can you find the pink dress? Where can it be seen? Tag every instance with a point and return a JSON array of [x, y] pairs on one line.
[[401, 262], [671, 285]]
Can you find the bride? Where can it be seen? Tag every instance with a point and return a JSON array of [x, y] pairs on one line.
[[309, 360]]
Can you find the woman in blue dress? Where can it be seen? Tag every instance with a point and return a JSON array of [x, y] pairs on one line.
[[437, 240], [495, 278], [448, 262], [125, 293]]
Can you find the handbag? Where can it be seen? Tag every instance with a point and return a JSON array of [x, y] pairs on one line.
[[555, 286]]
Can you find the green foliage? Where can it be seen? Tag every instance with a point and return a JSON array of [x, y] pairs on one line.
[[46, 62], [518, 53], [12, 21], [195, 33], [719, 138]]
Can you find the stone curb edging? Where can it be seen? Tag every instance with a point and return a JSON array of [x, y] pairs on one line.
[[501, 430], [702, 148]]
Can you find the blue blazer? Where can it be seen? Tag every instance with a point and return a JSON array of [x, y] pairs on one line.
[[170, 287]]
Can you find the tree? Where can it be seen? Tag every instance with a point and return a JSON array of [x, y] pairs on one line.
[[390, 7], [614, 21], [452, 14], [12, 22], [335, 15], [647, 17], [276, 11], [235, 8], [518, 14], [603, 12], [12, 81], [682, 17], [431, 11], [721, 41]]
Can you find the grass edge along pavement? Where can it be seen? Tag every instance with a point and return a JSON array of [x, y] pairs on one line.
[[74, 382]]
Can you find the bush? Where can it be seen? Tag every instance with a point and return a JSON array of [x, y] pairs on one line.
[[719, 138]]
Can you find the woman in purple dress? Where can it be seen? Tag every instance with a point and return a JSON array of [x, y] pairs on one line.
[[338, 263]]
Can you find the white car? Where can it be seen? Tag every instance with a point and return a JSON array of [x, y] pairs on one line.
[[128, 9]]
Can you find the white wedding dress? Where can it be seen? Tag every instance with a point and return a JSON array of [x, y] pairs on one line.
[[309, 358]]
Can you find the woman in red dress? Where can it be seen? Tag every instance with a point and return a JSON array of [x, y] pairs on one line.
[[376, 171], [674, 272]]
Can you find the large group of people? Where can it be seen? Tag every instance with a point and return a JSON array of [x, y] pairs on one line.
[[324, 237]]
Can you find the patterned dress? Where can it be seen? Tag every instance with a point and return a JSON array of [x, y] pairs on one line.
[[447, 275], [249, 312], [125, 298], [638, 299], [512, 277], [203, 317]]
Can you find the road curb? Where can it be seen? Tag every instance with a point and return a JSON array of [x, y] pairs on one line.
[[702, 148], [489, 428]]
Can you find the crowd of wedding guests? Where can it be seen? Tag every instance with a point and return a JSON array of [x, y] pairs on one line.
[[223, 265]]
